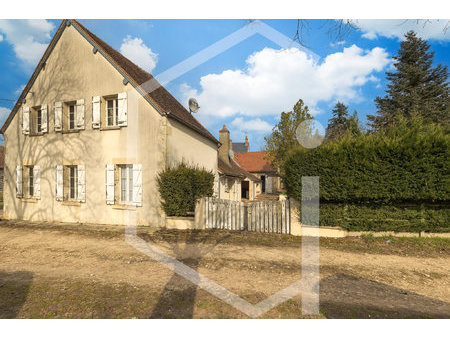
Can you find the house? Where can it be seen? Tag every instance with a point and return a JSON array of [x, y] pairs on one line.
[[235, 183], [241, 147], [85, 142], [256, 163]]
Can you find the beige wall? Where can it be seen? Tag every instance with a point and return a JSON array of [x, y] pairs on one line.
[[74, 72], [184, 144], [230, 194]]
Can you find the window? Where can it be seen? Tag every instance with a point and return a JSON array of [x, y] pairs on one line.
[[112, 112], [72, 182], [30, 181], [126, 183], [72, 116], [39, 121]]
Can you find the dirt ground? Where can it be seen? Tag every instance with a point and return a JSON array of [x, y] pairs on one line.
[[85, 271]]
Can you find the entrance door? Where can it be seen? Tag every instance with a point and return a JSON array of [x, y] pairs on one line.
[[245, 189], [263, 186]]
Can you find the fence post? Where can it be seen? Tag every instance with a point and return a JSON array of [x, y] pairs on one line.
[[229, 215]]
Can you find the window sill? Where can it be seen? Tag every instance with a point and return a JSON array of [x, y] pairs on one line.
[[29, 199], [124, 207], [37, 134], [71, 203], [110, 128], [71, 131]]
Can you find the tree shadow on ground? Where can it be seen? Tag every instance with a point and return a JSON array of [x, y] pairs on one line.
[[178, 297], [14, 289], [346, 296]]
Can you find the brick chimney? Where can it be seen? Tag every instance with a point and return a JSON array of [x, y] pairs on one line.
[[246, 143], [224, 139]]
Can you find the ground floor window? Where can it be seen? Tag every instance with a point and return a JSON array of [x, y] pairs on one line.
[[72, 182], [126, 183]]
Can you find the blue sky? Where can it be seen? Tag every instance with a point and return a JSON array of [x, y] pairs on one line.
[[247, 86]]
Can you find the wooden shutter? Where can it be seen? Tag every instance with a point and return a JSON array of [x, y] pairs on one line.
[[80, 114], [123, 109], [58, 109], [81, 174], [110, 184], [19, 182], [44, 118], [26, 120], [59, 183], [137, 184], [96, 112], [37, 181]]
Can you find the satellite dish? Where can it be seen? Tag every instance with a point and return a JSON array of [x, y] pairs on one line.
[[193, 105]]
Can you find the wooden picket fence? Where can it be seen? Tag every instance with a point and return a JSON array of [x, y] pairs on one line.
[[265, 216]]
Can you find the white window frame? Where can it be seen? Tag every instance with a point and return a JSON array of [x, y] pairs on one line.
[[115, 111], [38, 120], [72, 105], [73, 182], [126, 183]]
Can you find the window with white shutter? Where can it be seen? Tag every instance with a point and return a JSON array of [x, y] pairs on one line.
[[58, 111], [26, 120], [81, 174], [96, 101], [80, 114], [36, 181], [123, 109], [137, 184], [19, 182], [59, 183], [109, 184], [44, 118]]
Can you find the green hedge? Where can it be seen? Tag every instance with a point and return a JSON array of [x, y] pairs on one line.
[[375, 217], [181, 186], [397, 182]]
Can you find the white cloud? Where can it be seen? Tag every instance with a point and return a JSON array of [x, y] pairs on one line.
[[276, 79], [139, 53], [338, 43], [426, 29], [256, 125], [1, 38], [28, 37]]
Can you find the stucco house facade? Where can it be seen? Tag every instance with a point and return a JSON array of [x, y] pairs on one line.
[[85, 141], [235, 183], [256, 163]]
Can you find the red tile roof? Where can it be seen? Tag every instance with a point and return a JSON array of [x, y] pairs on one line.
[[255, 161], [235, 170]]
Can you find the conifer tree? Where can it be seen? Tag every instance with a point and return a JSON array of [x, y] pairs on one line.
[[415, 87], [342, 124]]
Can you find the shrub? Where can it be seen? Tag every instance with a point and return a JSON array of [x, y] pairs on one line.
[[181, 186], [397, 181]]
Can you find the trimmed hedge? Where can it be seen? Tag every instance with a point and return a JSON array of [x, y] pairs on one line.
[[396, 182], [181, 186]]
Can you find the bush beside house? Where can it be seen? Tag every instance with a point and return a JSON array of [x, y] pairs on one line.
[[398, 181], [181, 186]]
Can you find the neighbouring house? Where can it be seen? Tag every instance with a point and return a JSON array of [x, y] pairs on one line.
[[85, 141], [239, 147], [256, 163], [2, 171], [235, 183]]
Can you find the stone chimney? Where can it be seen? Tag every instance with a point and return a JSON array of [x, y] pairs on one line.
[[246, 143], [224, 139]]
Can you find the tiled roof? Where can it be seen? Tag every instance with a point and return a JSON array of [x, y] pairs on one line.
[[235, 170], [160, 96], [255, 162], [240, 147]]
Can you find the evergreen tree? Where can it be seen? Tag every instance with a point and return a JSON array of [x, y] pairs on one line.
[[414, 88], [342, 124], [283, 137]]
